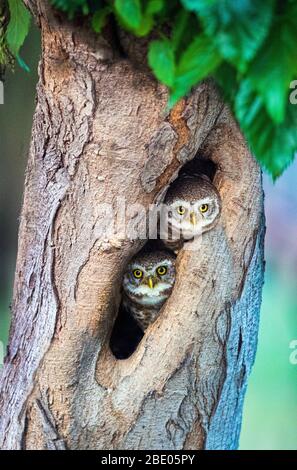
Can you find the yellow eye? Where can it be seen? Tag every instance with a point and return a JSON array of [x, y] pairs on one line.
[[137, 273], [203, 208], [162, 270], [181, 210]]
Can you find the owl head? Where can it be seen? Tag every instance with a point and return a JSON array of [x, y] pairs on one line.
[[193, 206], [149, 278]]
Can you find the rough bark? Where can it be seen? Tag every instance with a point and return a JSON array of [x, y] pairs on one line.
[[99, 131]]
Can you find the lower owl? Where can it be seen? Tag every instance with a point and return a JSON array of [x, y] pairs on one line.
[[192, 206], [147, 284]]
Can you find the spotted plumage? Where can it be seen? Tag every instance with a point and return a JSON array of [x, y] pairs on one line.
[[147, 284], [192, 207]]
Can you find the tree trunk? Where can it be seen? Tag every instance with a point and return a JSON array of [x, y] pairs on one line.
[[100, 131]]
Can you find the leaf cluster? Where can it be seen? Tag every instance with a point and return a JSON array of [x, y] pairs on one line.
[[14, 27], [249, 47]]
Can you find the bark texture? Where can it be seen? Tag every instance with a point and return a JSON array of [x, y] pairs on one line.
[[100, 131]]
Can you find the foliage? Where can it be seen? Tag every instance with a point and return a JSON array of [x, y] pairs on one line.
[[14, 31], [247, 46], [4, 52]]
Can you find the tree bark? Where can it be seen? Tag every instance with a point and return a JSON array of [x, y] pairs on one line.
[[100, 131]]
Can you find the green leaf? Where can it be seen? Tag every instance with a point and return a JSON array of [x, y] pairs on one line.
[[99, 18], [199, 60], [161, 60], [145, 27], [132, 17], [154, 6], [147, 22], [238, 28], [72, 7], [226, 76], [130, 12], [18, 26], [22, 63], [184, 31], [194, 5], [179, 27], [274, 145], [276, 65]]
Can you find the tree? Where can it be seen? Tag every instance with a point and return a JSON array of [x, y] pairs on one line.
[[100, 129]]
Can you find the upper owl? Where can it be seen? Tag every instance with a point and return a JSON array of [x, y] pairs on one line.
[[192, 206], [147, 284]]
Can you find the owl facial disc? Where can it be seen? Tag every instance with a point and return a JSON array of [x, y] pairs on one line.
[[147, 284]]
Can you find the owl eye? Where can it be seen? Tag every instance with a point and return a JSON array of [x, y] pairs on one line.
[[203, 208], [137, 273], [181, 210], [162, 270]]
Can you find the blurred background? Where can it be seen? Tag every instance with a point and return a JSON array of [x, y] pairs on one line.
[[270, 411]]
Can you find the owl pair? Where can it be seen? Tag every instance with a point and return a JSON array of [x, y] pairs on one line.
[[193, 207]]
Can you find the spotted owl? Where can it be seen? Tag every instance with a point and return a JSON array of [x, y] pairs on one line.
[[192, 206], [147, 284]]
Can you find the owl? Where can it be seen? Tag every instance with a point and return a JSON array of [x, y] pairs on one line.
[[192, 207], [147, 284]]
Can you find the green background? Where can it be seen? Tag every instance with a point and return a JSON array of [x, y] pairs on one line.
[[270, 411]]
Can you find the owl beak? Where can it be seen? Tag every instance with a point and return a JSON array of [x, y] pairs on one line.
[[193, 218], [150, 282]]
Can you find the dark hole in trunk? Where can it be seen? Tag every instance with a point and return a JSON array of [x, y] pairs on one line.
[[199, 166], [126, 335]]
